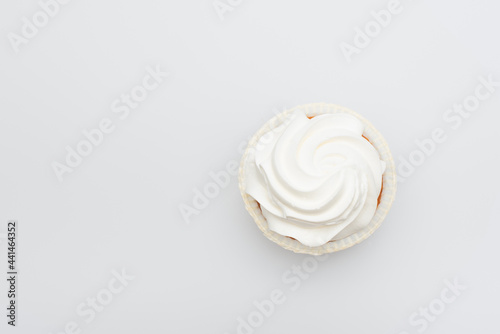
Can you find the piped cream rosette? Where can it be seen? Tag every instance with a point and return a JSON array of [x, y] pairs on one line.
[[317, 179]]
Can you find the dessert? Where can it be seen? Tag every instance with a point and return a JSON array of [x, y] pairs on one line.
[[317, 178]]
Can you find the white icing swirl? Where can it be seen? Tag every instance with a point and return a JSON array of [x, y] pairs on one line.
[[316, 179]]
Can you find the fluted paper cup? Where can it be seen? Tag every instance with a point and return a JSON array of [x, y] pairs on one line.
[[386, 199]]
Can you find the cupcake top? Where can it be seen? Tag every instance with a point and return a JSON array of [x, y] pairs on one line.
[[316, 179]]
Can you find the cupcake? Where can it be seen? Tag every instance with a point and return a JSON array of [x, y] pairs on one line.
[[317, 179]]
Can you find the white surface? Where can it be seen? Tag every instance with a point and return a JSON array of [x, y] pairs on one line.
[[120, 207]]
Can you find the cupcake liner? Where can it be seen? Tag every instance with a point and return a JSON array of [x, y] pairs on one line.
[[388, 190]]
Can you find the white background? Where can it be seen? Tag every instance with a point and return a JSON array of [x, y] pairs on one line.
[[120, 207]]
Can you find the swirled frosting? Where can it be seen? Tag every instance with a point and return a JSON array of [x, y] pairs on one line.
[[317, 179]]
